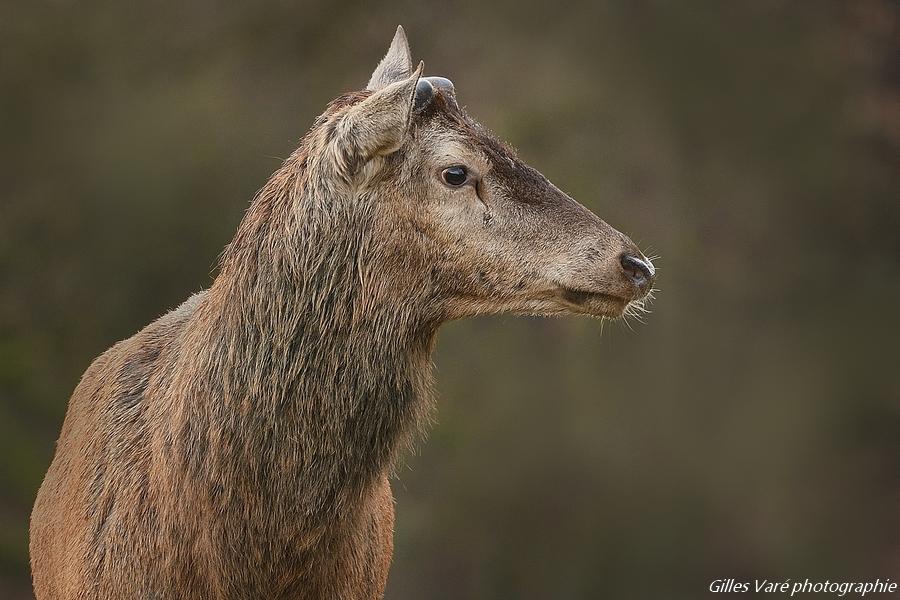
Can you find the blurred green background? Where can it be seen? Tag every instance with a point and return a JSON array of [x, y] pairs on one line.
[[751, 428]]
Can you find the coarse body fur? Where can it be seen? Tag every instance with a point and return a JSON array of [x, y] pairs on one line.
[[240, 446]]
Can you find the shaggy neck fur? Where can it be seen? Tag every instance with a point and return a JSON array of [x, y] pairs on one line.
[[313, 372]]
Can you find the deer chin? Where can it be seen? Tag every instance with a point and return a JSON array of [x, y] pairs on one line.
[[593, 303]]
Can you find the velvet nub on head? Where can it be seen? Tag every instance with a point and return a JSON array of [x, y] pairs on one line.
[[427, 87]]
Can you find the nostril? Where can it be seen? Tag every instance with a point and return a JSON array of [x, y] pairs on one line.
[[638, 269]]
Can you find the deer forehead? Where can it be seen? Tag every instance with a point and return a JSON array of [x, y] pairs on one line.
[[446, 148]]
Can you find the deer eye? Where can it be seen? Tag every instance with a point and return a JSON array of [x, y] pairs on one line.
[[455, 176]]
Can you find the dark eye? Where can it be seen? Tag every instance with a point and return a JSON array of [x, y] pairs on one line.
[[455, 176]]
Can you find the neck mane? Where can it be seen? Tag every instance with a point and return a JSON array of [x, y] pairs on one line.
[[314, 367]]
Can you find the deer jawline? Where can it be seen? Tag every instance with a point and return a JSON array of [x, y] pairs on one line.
[[598, 304]]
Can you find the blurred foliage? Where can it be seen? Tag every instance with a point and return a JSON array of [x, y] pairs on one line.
[[750, 428]]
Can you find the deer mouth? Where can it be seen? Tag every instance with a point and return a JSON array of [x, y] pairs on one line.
[[595, 304]]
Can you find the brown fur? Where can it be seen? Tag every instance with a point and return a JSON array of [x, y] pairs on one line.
[[240, 446]]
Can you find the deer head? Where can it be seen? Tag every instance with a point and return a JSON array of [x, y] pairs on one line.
[[461, 219]]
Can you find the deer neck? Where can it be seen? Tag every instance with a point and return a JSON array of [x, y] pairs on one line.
[[315, 371]]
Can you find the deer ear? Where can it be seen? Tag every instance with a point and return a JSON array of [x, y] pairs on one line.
[[396, 64], [376, 126]]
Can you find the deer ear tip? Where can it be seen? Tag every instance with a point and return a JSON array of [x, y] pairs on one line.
[[400, 41], [396, 64]]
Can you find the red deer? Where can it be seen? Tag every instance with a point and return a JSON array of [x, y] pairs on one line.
[[240, 446]]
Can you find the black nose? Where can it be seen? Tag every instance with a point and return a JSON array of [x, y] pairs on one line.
[[638, 270]]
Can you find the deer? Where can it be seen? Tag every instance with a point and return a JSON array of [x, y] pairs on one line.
[[242, 445]]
